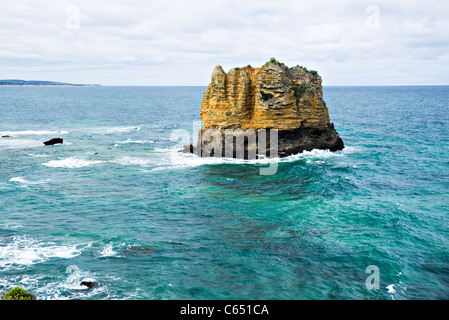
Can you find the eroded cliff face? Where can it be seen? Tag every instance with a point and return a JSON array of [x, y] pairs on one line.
[[274, 96]]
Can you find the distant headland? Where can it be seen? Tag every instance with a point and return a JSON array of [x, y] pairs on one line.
[[14, 82]]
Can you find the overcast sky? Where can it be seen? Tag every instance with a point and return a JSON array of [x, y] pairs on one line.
[[352, 42]]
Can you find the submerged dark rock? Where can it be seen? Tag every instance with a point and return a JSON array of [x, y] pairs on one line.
[[54, 141], [138, 250]]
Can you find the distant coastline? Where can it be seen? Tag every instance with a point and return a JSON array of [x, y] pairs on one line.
[[14, 82]]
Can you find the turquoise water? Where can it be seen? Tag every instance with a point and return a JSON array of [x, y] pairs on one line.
[[148, 223]]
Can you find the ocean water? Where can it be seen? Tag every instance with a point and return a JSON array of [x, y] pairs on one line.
[[118, 204]]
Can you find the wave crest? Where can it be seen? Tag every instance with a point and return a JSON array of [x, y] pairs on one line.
[[23, 251], [71, 162]]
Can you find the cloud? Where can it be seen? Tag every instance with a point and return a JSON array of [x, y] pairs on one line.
[[179, 42]]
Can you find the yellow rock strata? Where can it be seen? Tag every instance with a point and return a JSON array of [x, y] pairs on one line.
[[271, 97]]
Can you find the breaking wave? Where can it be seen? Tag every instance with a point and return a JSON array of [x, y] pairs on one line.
[[173, 159], [32, 132], [71, 162], [22, 251]]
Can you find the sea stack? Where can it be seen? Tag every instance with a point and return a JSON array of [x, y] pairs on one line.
[[254, 105]]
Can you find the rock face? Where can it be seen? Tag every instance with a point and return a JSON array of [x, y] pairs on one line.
[[288, 100]]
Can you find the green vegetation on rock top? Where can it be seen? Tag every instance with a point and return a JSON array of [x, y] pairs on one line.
[[273, 60]]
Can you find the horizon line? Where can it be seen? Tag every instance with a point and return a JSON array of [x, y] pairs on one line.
[[116, 85], [392, 85]]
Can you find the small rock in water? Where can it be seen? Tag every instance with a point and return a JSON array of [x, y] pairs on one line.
[[90, 283], [6, 136], [53, 141]]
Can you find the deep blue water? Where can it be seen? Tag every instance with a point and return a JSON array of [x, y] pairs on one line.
[[149, 223]]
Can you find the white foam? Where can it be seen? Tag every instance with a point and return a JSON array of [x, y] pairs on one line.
[[391, 289], [25, 182], [178, 159], [314, 154], [21, 181], [10, 143], [136, 141], [111, 130], [66, 287], [71, 162], [108, 251], [18, 179], [173, 159], [73, 280], [10, 226], [31, 132], [24, 252], [37, 155], [170, 159], [320, 154], [144, 162]]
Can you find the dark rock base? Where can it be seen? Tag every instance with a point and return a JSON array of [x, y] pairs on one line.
[[290, 142], [299, 140]]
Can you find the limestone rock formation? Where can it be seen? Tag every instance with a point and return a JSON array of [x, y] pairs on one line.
[[288, 100]]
